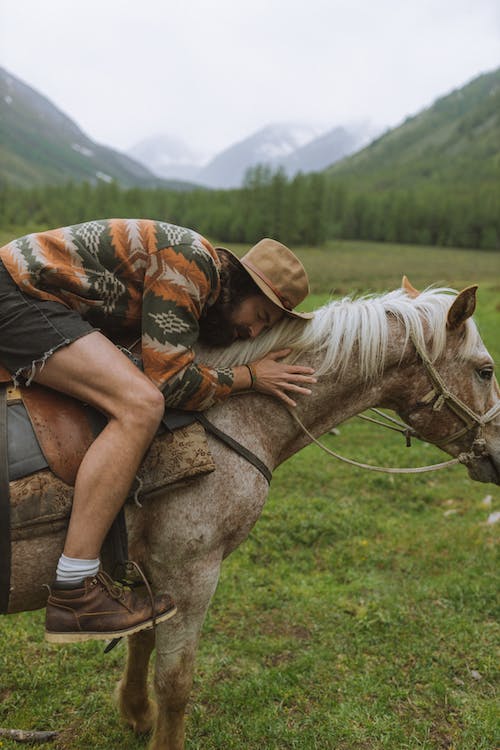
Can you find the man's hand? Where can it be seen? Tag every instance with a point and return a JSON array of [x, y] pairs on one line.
[[276, 378]]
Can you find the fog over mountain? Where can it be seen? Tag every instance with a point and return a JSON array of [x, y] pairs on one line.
[[41, 145], [168, 155], [295, 147]]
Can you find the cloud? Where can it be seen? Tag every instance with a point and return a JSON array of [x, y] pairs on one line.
[[211, 73]]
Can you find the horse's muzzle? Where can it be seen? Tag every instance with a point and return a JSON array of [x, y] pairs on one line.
[[481, 464]]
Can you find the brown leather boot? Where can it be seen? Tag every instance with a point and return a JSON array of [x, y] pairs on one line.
[[102, 609]]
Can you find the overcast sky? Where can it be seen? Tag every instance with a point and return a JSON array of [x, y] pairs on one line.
[[213, 72]]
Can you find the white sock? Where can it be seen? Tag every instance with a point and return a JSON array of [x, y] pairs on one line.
[[74, 570]]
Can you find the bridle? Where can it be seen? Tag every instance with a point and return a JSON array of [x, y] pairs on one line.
[[441, 396]]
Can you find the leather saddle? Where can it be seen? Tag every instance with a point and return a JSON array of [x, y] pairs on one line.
[[43, 429], [47, 429]]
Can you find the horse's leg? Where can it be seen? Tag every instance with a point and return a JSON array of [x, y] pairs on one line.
[[175, 653], [136, 709]]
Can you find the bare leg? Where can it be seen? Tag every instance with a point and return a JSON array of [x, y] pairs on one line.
[[93, 370]]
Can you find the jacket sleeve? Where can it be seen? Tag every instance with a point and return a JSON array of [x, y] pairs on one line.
[[179, 281]]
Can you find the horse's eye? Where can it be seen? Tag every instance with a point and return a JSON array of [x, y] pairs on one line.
[[485, 373]]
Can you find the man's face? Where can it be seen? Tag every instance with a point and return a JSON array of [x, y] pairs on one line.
[[244, 321], [254, 315]]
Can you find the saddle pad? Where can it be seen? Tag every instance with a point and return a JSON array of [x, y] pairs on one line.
[[25, 456], [41, 502]]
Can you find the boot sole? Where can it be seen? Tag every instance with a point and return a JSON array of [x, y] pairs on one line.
[[81, 636]]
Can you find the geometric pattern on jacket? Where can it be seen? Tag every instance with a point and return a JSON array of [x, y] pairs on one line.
[[132, 278]]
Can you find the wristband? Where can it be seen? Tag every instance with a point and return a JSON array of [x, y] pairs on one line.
[[252, 375]]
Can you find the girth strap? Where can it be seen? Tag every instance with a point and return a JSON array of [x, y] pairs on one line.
[[5, 546], [232, 443]]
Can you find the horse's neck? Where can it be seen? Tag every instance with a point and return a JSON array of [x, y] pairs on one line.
[[334, 401], [265, 425], [330, 404]]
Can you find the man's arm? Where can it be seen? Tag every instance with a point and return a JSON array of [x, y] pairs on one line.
[[178, 282]]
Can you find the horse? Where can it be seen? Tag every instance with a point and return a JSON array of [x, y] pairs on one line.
[[418, 354]]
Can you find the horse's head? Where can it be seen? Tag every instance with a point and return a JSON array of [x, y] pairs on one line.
[[454, 401]]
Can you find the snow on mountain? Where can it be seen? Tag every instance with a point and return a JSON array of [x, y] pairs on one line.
[[275, 142], [269, 145]]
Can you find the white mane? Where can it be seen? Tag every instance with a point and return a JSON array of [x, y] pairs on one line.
[[342, 328]]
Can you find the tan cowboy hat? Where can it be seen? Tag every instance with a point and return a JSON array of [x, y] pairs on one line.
[[279, 274]]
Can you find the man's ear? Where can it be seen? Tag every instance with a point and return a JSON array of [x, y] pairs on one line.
[[408, 288], [462, 308]]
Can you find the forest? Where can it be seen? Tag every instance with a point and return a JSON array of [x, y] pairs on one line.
[[306, 209]]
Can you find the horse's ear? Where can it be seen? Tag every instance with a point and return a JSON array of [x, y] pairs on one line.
[[408, 288], [462, 307]]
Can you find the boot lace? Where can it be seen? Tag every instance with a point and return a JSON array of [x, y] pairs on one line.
[[116, 589]]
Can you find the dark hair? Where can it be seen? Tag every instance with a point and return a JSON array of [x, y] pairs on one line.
[[236, 283], [236, 286]]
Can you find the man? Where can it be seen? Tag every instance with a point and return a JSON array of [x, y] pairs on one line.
[[65, 296]]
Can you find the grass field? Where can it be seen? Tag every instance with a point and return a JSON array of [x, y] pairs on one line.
[[361, 614]]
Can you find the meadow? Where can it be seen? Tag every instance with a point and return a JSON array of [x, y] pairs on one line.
[[361, 613]]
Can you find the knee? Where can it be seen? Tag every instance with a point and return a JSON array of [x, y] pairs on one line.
[[145, 405]]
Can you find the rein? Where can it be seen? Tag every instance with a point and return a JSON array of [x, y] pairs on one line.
[[441, 396], [387, 470]]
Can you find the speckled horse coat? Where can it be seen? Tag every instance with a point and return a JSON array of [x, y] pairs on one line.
[[182, 537]]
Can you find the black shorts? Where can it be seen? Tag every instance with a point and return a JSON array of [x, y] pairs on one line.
[[32, 329]]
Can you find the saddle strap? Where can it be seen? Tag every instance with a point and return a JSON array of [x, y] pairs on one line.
[[115, 548], [5, 548], [232, 443]]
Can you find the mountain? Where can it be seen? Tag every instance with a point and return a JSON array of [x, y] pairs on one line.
[[327, 149], [294, 147], [167, 157], [40, 145], [455, 142], [267, 146]]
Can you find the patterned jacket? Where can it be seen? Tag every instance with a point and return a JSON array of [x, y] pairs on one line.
[[132, 277]]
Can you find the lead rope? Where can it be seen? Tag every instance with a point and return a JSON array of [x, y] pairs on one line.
[[444, 396], [462, 458], [404, 429]]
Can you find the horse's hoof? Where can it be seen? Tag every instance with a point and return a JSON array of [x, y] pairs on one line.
[[144, 724], [137, 712]]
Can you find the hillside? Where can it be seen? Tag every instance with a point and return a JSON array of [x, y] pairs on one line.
[[454, 142], [40, 145], [435, 180]]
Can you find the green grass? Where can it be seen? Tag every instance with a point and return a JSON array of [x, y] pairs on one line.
[[361, 614]]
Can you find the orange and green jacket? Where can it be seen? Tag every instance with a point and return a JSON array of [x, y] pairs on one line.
[[132, 277]]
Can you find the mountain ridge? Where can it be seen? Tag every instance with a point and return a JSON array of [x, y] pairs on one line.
[[291, 146], [40, 144], [457, 137]]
